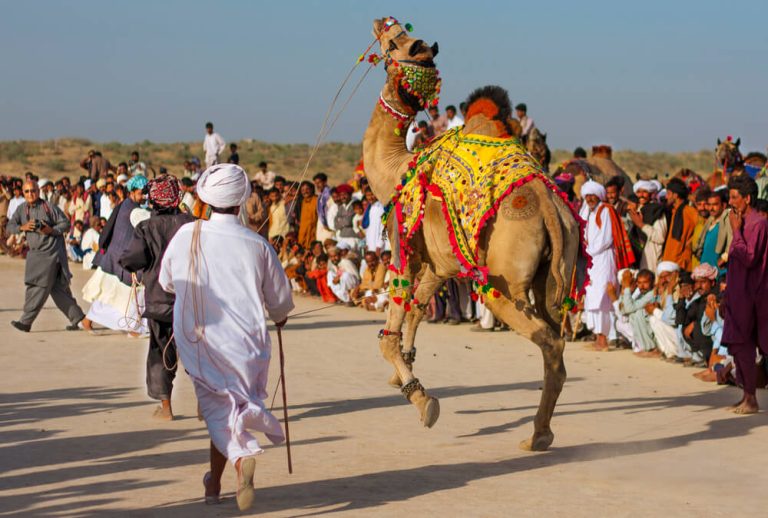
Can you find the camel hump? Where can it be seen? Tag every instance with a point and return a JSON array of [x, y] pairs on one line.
[[489, 113]]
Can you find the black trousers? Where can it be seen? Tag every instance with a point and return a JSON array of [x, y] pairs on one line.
[[159, 378]]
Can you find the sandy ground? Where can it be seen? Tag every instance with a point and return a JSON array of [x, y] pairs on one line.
[[634, 437]]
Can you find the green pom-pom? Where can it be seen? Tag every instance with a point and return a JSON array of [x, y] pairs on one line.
[[409, 27]]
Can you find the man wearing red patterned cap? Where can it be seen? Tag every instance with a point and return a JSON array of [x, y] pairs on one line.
[[144, 253]]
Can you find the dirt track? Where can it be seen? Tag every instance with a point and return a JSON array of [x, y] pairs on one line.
[[633, 437]]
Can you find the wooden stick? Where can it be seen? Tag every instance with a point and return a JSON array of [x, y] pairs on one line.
[[285, 399]]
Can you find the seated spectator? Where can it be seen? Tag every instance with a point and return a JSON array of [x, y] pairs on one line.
[[343, 277], [662, 313], [371, 283], [632, 305], [712, 326], [320, 275], [699, 343], [74, 239]]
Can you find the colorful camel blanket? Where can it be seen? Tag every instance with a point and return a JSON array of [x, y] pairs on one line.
[[471, 175]]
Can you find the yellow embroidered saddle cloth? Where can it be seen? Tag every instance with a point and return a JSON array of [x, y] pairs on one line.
[[471, 174]]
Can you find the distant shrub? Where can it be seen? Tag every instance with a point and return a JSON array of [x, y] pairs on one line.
[[57, 164]]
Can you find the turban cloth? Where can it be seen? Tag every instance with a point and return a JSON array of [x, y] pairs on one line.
[[101, 183], [667, 266], [137, 182], [658, 185], [705, 271], [223, 186], [593, 188], [164, 192], [644, 185], [345, 188], [138, 215], [678, 187]]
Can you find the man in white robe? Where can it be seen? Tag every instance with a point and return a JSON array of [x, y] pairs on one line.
[[220, 324], [343, 276], [662, 315], [598, 309]]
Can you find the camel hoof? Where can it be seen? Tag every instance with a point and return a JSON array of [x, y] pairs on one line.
[[431, 412], [395, 381], [540, 443]]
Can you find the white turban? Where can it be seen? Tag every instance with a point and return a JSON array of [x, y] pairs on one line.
[[593, 188], [138, 215], [645, 185], [658, 185], [224, 186], [43, 182], [666, 266]]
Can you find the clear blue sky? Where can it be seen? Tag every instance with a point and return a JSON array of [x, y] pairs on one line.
[[652, 75]]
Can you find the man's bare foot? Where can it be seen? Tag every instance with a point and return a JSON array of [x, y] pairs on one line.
[[747, 407], [163, 413], [596, 347], [87, 324]]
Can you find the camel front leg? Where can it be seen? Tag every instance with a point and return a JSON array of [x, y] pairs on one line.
[[390, 345], [521, 317], [428, 284]]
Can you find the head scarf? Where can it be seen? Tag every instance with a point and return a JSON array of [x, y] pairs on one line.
[[101, 183], [705, 271], [137, 182], [87, 184], [658, 185], [43, 182], [164, 192], [223, 186], [122, 178], [345, 187], [667, 266], [593, 188], [644, 185]]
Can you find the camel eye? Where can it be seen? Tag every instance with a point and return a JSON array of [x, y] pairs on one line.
[[392, 46]]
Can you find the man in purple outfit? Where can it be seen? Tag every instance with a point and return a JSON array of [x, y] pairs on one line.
[[744, 307]]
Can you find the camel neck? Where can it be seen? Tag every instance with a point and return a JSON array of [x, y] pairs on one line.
[[384, 152]]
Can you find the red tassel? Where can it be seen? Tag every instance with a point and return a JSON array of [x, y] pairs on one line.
[[397, 300]]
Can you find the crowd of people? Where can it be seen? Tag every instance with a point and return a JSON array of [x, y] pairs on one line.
[[659, 256]]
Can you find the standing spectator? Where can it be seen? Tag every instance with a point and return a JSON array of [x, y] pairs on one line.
[[308, 219], [96, 165], [105, 199], [278, 218], [46, 270], [265, 177], [16, 201], [188, 198], [438, 123], [136, 166], [90, 242], [702, 209], [715, 239], [526, 123], [454, 120], [649, 225], [234, 156], [745, 312], [47, 193], [323, 199], [345, 231], [256, 211], [598, 309], [213, 145], [374, 232], [679, 245]]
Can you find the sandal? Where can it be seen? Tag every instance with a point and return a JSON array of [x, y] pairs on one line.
[[210, 499]]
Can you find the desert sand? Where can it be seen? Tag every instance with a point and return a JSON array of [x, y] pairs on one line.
[[633, 437]]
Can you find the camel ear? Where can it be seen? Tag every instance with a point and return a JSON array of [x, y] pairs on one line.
[[544, 137], [377, 25], [435, 49], [718, 142], [738, 141]]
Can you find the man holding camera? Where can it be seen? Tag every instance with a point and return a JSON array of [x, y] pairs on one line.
[[46, 272]]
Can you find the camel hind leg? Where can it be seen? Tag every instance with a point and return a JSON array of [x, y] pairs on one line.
[[517, 312]]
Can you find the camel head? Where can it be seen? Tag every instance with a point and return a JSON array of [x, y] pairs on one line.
[[409, 63], [602, 151], [537, 147], [727, 153]]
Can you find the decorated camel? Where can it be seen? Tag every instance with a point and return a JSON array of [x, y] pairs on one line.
[[730, 162], [600, 167], [473, 203]]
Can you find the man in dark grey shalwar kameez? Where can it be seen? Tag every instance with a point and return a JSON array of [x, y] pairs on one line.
[[46, 272]]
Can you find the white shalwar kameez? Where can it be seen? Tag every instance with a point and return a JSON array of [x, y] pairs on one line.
[[348, 279], [598, 309], [220, 326]]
